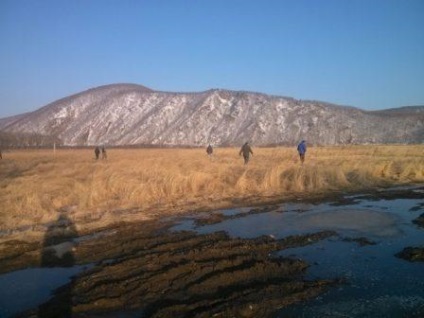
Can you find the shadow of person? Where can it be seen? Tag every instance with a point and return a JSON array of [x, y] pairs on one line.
[[58, 248]]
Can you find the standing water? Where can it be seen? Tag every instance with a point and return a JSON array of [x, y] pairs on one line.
[[371, 230]]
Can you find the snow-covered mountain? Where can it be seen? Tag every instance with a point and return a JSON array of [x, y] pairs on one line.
[[129, 114]]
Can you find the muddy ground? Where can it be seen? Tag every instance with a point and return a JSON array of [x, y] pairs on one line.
[[180, 274], [157, 272]]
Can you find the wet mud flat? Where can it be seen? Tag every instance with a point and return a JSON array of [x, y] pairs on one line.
[[377, 252], [249, 262], [150, 271]]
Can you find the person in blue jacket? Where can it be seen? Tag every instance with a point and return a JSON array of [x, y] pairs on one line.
[[301, 149]]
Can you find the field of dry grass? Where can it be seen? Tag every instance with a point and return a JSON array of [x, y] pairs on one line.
[[142, 183]]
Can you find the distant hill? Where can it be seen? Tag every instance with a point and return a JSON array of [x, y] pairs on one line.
[[129, 114]]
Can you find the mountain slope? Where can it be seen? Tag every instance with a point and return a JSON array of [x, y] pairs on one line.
[[128, 114]]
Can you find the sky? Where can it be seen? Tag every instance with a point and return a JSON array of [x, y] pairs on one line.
[[363, 53]]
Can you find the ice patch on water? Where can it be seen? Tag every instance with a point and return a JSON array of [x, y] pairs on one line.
[[365, 221], [358, 221]]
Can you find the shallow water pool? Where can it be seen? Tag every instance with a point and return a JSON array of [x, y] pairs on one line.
[[377, 283]]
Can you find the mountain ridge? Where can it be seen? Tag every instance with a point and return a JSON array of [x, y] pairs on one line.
[[132, 114]]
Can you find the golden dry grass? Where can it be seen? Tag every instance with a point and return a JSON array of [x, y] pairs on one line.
[[36, 184]]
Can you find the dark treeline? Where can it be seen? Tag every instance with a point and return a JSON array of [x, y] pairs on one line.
[[27, 140]]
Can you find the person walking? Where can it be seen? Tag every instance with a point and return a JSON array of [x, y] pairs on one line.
[[246, 150], [104, 154], [301, 149], [209, 150], [97, 152]]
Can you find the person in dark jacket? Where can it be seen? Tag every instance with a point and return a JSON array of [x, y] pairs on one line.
[[209, 150], [104, 154], [301, 149], [246, 151], [97, 152]]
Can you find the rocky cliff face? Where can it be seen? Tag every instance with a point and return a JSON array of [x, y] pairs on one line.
[[127, 114]]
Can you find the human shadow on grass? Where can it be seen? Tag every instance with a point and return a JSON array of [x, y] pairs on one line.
[[58, 252]]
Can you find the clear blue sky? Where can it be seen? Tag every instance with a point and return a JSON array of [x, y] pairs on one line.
[[363, 53]]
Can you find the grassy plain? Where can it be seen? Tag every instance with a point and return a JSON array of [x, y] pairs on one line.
[[134, 184]]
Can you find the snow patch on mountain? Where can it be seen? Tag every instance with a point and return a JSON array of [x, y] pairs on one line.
[[128, 114]]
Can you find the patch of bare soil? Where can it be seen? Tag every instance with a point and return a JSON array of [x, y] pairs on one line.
[[361, 241], [17, 254], [215, 218], [412, 254], [184, 274], [419, 221]]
